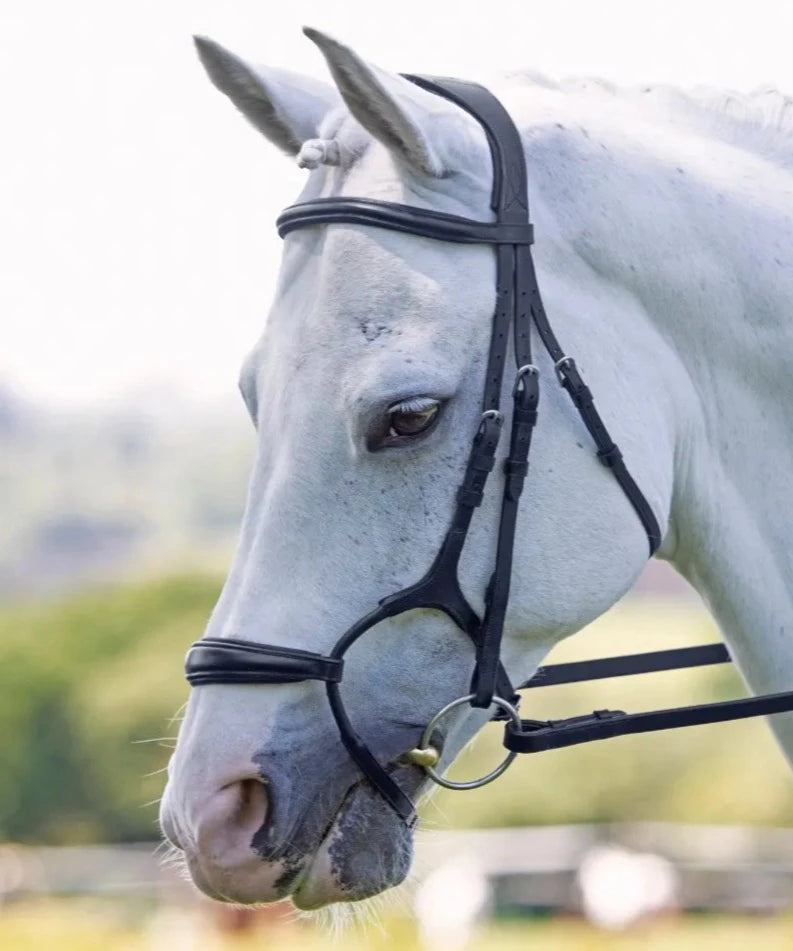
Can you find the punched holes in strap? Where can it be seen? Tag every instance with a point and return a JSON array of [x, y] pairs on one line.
[[232, 661]]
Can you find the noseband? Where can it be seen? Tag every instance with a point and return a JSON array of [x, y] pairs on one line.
[[518, 305]]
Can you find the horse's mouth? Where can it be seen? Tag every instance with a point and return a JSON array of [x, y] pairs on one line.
[[366, 849], [363, 849]]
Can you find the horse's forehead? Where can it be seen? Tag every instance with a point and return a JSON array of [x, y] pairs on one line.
[[391, 297], [376, 173], [382, 312], [355, 292]]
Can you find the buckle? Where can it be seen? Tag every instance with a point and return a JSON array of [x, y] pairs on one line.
[[493, 414], [486, 420], [566, 363], [520, 378]]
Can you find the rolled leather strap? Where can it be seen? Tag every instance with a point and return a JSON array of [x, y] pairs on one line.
[[221, 660]]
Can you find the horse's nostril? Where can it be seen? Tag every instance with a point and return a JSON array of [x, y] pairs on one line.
[[227, 821], [252, 805]]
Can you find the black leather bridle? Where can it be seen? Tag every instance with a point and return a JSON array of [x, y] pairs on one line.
[[518, 306]]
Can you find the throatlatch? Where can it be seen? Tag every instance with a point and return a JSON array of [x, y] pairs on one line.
[[518, 305]]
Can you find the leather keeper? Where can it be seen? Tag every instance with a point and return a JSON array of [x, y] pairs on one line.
[[515, 467], [611, 456], [469, 497], [482, 462], [526, 417]]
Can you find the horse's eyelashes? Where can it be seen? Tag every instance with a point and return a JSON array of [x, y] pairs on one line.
[[408, 422], [405, 422]]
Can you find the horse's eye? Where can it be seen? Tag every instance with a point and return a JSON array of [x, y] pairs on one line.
[[412, 417]]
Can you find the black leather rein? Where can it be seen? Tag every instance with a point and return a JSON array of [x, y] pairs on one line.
[[518, 306]]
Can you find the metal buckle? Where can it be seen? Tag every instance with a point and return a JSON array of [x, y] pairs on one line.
[[557, 367], [493, 414], [520, 377], [426, 756]]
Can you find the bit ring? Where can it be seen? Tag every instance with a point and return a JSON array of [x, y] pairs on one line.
[[424, 746]]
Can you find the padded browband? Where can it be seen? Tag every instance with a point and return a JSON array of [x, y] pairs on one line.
[[221, 660], [405, 218]]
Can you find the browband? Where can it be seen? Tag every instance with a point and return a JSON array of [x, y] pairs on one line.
[[405, 218]]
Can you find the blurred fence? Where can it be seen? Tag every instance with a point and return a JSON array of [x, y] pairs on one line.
[[613, 873]]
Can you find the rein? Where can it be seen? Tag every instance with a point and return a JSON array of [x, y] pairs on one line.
[[518, 306]]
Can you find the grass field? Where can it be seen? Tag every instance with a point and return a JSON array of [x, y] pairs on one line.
[[87, 925]]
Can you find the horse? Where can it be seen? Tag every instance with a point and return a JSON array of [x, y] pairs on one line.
[[664, 253]]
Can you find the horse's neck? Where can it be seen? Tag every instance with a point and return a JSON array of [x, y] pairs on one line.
[[733, 514], [701, 237], [729, 321]]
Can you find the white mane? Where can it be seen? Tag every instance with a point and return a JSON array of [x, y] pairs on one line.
[[760, 122]]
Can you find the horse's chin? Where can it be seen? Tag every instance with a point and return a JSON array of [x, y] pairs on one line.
[[366, 849]]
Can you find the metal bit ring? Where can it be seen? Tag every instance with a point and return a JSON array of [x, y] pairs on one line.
[[421, 758]]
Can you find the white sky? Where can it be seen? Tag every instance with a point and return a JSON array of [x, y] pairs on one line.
[[136, 207]]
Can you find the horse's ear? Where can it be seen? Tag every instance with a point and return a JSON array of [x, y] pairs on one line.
[[285, 107], [393, 110]]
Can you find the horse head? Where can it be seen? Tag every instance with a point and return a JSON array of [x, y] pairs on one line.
[[365, 392]]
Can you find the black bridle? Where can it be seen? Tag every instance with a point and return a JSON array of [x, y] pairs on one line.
[[518, 306]]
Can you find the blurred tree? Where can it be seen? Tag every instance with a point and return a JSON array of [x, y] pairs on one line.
[[85, 683]]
